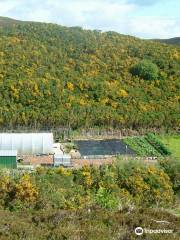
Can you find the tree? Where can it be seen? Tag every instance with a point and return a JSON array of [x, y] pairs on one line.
[[145, 69]]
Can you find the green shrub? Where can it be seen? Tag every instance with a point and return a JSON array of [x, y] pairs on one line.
[[145, 69], [70, 146], [108, 186], [83, 177], [172, 168], [147, 185], [106, 199]]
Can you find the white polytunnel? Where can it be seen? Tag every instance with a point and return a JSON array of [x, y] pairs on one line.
[[27, 143]]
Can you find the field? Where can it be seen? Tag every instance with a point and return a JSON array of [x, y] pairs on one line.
[[173, 143]]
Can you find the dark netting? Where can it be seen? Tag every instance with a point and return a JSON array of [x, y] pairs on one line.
[[103, 147]]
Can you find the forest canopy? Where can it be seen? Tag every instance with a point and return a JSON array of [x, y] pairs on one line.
[[53, 76]]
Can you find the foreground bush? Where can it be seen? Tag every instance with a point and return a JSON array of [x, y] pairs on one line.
[[90, 203], [148, 186], [171, 167], [18, 191], [125, 185], [143, 185]]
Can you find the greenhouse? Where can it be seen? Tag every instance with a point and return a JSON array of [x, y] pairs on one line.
[[27, 143]]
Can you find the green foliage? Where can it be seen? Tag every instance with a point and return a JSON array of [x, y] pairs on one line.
[[132, 181], [53, 76], [141, 146], [106, 199], [172, 142], [88, 203], [69, 147], [148, 185], [145, 69], [172, 168], [157, 144], [58, 190], [109, 186]]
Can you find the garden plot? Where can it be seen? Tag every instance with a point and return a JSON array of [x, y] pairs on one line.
[[103, 147]]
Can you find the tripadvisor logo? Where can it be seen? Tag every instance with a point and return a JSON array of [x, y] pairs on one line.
[[139, 231]]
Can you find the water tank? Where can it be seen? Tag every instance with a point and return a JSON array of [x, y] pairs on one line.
[[27, 143]]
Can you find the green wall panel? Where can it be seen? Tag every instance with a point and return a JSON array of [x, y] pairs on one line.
[[8, 162]]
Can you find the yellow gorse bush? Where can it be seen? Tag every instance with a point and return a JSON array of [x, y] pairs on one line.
[[63, 171], [26, 190], [4, 183], [87, 176], [150, 185], [4, 186]]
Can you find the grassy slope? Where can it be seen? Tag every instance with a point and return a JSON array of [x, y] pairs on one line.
[[173, 143]]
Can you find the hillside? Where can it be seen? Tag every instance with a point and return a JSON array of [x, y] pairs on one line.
[[175, 40], [53, 76], [5, 21]]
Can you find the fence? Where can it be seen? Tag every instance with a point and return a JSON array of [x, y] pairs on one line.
[[101, 159], [64, 133]]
